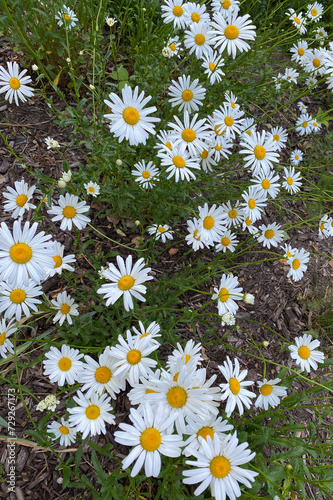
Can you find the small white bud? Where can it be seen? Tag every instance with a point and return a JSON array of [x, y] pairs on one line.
[[81, 53], [265, 343], [34, 67], [119, 162], [137, 223], [248, 298], [91, 87], [66, 176], [68, 60], [61, 183]]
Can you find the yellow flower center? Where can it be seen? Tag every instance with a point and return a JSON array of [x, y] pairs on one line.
[[103, 375], [21, 200], [301, 51], [14, 83], [20, 253], [17, 296], [195, 235], [232, 214], [305, 124], [321, 227], [177, 11], [64, 364], [228, 121], [224, 294], [266, 184], [178, 161], [231, 32], [249, 132], [67, 17], [204, 154], [172, 46], [232, 104], [126, 282], [316, 62], [63, 429], [314, 12], [276, 137], [225, 241], [187, 95], [211, 66], [315, 124], [297, 20], [248, 221], [175, 378], [176, 397], [168, 145], [150, 391], [259, 152], [220, 467], [304, 352], [195, 17], [133, 357], [93, 412], [296, 157], [150, 439], [216, 130], [217, 147], [65, 308], [290, 181], [57, 261], [251, 203], [131, 116], [188, 135], [161, 229], [145, 174], [199, 39], [208, 222], [226, 4], [269, 234], [206, 431], [2, 338], [91, 189], [69, 212], [296, 264], [234, 385], [289, 254], [266, 389]]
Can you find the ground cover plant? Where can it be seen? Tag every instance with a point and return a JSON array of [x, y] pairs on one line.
[[175, 215]]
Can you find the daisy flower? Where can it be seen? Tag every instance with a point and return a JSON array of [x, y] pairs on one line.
[[127, 281], [212, 62], [153, 330], [221, 148], [260, 152], [266, 182], [190, 134], [289, 251], [198, 428], [128, 118], [14, 83], [92, 188], [5, 332], [62, 430], [299, 51], [228, 121], [98, 376], [179, 163], [312, 82], [298, 264], [198, 39], [146, 175], [67, 17], [315, 11], [228, 242], [173, 45], [131, 357], [196, 13], [191, 352], [297, 20], [231, 32], [303, 124], [324, 228], [227, 293], [64, 365], [110, 21], [233, 214], [174, 12], [70, 212], [234, 390], [316, 127], [211, 224], [290, 75], [279, 137], [277, 80], [305, 352], [254, 203], [248, 127], [225, 6], [271, 235], [51, 143], [207, 160], [321, 33], [91, 414], [65, 307], [18, 298], [301, 106], [296, 157], [59, 261], [161, 232], [270, 393], [292, 180], [248, 225], [314, 62], [18, 198], [188, 96], [192, 238], [217, 466]]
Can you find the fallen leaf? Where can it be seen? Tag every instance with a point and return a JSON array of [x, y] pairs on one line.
[[120, 232], [173, 251]]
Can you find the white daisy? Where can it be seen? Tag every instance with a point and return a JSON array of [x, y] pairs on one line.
[[192, 238], [211, 224], [198, 428], [18, 198], [207, 160], [279, 137], [248, 127], [51, 143], [289, 251], [196, 13], [314, 62], [5, 332], [64, 365], [316, 127], [14, 83], [212, 62], [234, 390], [270, 393], [198, 39], [173, 45], [324, 228], [146, 175], [153, 330], [301, 106], [191, 352], [277, 80], [298, 264], [305, 353], [228, 241], [228, 121], [174, 12], [127, 281], [292, 180], [129, 120], [190, 134], [188, 96], [66, 17], [233, 214], [254, 203], [62, 430], [266, 182], [225, 6], [299, 51], [312, 82], [59, 261], [92, 188], [260, 152], [179, 163], [321, 33], [303, 124], [298, 21], [296, 157], [271, 235], [70, 212], [290, 75], [221, 148], [91, 414], [18, 298], [227, 293], [99, 376], [110, 21], [248, 225], [315, 11], [160, 232], [65, 307], [230, 32]]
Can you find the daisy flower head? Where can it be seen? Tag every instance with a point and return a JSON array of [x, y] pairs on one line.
[[228, 121], [303, 124], [129, 120], [324, 228], [254, 203], [248, 127], [19, 297], [289, 251], [179, 163], [279, 137], [192, 237], [234, 390], [24, 254], [312, 82], [70, 211], [92, 188], [315, 11], [51, 143], [314, 62], [248, 225], [292, 181], [316, 127], [196, 13], [173, 11], [188, 96], [63, 365], [290, 75], [110, 21], [228, 242], [221, 147], [217, 466], [62, 430], [153, 330], [132, 357], [271, 235], [212, 63], [231, 32], [298, 264], [65, 307], [211, 224], [166, 52], [270, 393], [233, 214], [91, 414], [190, 134], [49, 403], [191, 352], [302, 107], [173, 45], [277, 80], [14, 83], [207, 160], [198, 428], [98, 376], [225, 6], [146, 175], [5, 332], [66, 17], [305, 352], [298, 21], [299, 51], [267, 183], [296, 157], [59, 261], [321, 33], [198, 39], [161, 232], [227, 294], [150, 437], [18, 198]]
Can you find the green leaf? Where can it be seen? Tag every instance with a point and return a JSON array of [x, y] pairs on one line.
[[122, 85], [121, 74]]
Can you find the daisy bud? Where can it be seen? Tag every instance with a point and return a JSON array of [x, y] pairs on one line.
[[34, 67], [66, 176], [289, 467], [248, 298], [137, 223], [61, 183], [68, 60], [91, 87], [228, 318], [81, 53], [119, 162], [265, 343]]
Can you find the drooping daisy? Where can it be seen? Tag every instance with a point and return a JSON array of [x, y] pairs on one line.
[[191, 352], [217, 466], [277, 80], [299, 51], [225, 6], [66, 17], [227, 294], [59, 261], [292, 180], [324, 229], [5, 332], [315, 11], [162, 232], [174, 12], [18, 298], [70, 212], [179, 163], [150, 437], [290, 75], [211, 224], [212, 62], [234, 390], [271, 235], [188, 96], [279, 137], [92, 188], [267, 183], [296, 157], [192, 238], [146, 175], [254, 203], [199, 428], [314, 62], [298, 264], [173, 45], [198, 39], [248, 225], [51, 143], [163, 138], [298, 21], [196, 13], [233, 214], [64, 365], [62, 430], [221, 147], [98, 376], [289, 251], [260, 152], [228, 242], [228, 121], [248, 127], [91, 414], [231, 32], [207, 160], [18, 198], [305, 352], [129, 120], [270, 393], [65, 307], [127, 281], [24, 253], [303, 124], [191, 134], [14, 83], [153, 330]]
